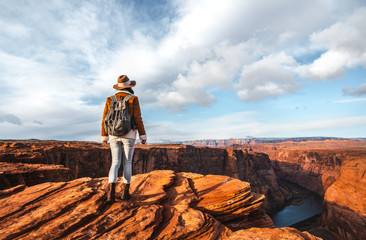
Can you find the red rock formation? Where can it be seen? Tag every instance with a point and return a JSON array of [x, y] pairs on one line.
[[164, 205], [314, 165], [236, 207], [87, 159], [12, 174], [252, 167], [84, 159], [344, 208], [333, 169], [276, 233]]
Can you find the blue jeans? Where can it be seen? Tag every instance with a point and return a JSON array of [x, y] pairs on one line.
[[116, 150]]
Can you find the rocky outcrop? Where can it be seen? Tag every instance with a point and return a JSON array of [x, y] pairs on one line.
[[315, 165], [276, 233], [229, 200], [329, 168], [333, 169], [344, 208], [164, 205], [13, 174], [86, 159], [251, 167]]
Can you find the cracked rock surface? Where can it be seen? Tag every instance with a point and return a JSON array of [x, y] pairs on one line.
[[164, 205]]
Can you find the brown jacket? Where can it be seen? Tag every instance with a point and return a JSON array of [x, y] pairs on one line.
[[134, 110]]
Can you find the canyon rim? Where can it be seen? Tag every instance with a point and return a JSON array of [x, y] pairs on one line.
[[181, 191]]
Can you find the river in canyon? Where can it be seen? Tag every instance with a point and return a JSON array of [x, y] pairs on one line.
[[311, 206]]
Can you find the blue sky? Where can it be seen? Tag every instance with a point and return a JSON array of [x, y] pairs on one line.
[[204, 69]]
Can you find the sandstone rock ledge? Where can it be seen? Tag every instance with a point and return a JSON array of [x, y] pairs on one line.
[[13, 174], [164, 205], [344, 207]]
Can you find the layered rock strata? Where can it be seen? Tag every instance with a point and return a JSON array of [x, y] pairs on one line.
[[315, 165], [333, 169], [85, 159], [276, 233], [315, 170], [164, 205], [251, 167], [344, 208], [12, 174]]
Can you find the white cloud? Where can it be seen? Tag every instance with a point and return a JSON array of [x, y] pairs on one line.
[[217, 70], [345, 47], [37, 93], [272, 76], [350, 100], [13, 30], [199, 40], [67, 52], [329, 65], [208, 44]]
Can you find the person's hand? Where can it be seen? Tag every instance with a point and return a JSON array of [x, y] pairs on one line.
[[143, 141]]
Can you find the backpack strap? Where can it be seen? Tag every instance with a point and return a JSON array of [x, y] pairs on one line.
[[126, 100], [128, 97], [113, 113]]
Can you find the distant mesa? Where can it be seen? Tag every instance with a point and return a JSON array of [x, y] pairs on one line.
[[253, 140]]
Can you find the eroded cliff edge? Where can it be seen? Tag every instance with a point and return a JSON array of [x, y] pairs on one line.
[[335, 170], [86, 159], [318, 166], [164, 205]]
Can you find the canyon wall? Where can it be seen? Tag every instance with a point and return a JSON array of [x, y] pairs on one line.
[[339, 176], [164, 205], [335, 170], [13, 174], [252, 167], [85, 159], [315, 170], [344, 208]]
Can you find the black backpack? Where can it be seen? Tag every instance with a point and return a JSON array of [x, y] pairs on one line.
[[118, 121]]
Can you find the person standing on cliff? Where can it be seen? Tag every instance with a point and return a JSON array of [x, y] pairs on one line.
[[123, 145]]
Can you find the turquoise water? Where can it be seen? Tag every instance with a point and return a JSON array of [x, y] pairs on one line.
[[293, 214]]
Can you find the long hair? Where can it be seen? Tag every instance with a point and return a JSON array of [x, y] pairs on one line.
[[130, 90]]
